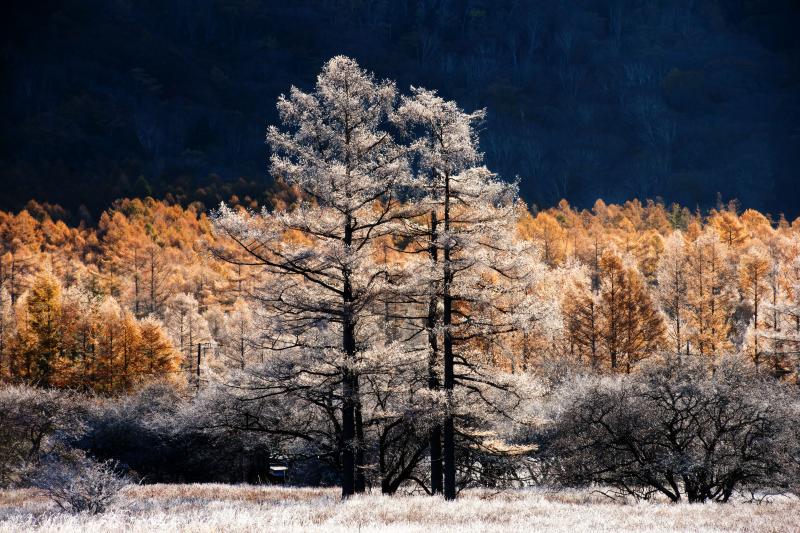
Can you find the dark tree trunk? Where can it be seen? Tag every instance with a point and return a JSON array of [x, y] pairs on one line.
[[349, 382], [360, 481], [348, 435], [449, 459], [437, 482], [449, 375]]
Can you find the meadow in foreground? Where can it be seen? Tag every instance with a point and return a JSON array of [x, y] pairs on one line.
[[215, 507]]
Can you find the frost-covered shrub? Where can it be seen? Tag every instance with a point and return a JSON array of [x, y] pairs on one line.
[[35, 423], [77, 483], [135, 429], [684, 429], [165, 436]]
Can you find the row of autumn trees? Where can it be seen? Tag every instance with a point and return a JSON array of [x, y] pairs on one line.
[[106, 308], [656, 280], [389, 303]]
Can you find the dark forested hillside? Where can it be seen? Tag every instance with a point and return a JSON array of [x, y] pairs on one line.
[[612, 98]]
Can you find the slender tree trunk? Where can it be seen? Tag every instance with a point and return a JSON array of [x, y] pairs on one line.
[[152, 283], [755, 320], [13, 278], [775, 307], [199, 353], [136, 310], [437, 482], [352, 449], [348, 423], [593, 343], [678, 325], [125, 366], [111, 361], [360, 481], [449, 375], [382, 460], [241, 348]]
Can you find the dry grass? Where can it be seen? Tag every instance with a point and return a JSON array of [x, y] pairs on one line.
[[212, 508]]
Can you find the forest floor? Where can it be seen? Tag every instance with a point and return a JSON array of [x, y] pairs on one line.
[[213, 508]]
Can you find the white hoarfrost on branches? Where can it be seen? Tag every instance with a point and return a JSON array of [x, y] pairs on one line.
[[337, 148], [398, 225], [322, 280], [79, 484]]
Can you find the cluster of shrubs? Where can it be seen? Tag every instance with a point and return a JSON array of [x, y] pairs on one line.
[[683, 429], [38, 432], [82, 450]]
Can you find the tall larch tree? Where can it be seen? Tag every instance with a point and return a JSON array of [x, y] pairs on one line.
[[631, 326], [474, 214], [730, 229], [43, 305], [582, 316], [157, 358], [188, 331], [782, 340], [337, 147], [6, 330]]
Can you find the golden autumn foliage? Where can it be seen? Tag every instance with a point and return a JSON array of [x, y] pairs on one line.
[[729, 227], [104, 307], [731, 287], [711, 294], [62, 340], [754, 266], [545, 230], [615, 324]]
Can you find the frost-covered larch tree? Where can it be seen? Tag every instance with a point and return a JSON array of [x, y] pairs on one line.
[[188, 330], [338, 149], [476, 277]]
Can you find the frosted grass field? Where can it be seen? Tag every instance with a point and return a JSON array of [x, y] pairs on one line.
[[212, 508]]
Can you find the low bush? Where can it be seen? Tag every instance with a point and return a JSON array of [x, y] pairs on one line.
[[35, 423], [77, 483]]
